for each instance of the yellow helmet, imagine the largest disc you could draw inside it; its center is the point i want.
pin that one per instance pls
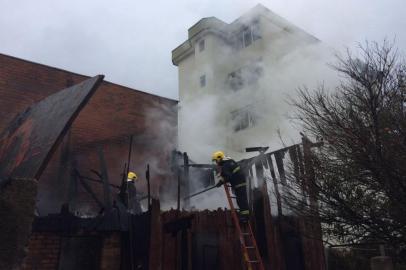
(218, 156)
(132, 176)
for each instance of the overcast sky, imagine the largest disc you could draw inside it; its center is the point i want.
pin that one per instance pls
(130, 41)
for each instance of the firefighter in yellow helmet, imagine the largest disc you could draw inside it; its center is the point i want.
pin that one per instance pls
(133, 204)
(231, 173)
(132, 177)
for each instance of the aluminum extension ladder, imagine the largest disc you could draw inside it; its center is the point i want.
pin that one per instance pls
(249, 246)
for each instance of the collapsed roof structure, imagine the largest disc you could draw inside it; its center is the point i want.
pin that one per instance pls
(67, 145)
(113, 115)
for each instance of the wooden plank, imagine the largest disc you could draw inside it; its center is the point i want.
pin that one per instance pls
(186, 183)
(275, 185)
(259, 169)
(279, 156)
(90, 191)
(295, 160)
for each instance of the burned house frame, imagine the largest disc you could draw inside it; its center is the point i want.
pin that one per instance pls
(115, 238)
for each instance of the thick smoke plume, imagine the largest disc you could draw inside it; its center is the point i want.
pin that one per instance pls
(267, 86)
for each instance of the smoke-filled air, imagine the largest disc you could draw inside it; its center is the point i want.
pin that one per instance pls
(245, 102)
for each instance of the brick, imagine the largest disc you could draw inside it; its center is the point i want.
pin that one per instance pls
(112, 114)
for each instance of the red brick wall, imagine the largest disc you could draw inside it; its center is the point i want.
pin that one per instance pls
(122, 109)
(113, 114)
(43, 252)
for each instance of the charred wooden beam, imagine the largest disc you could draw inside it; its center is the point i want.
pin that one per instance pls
(105, 178)
(257, 149)
(90, 191)
(279, 156)
(276, 186)
(73, 183)
(259, 169)
(98, 181)
(186, 177)
(205, 166)
(147, 176)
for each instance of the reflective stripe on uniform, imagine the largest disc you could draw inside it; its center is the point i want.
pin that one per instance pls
(245, 212)
(236, 169)
(240, 185)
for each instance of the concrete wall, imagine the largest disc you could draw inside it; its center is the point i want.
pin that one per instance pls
(218, 59)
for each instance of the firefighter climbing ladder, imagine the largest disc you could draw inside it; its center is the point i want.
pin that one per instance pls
(249, 246)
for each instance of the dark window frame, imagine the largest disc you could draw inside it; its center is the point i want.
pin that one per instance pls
(202, 45)
(235, 80)
(244, 118)
(245, 76)
(249, 34)
(202, 81)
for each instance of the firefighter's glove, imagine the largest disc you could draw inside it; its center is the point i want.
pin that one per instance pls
(220, 183)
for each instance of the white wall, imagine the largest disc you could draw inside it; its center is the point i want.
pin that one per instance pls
(288, 59)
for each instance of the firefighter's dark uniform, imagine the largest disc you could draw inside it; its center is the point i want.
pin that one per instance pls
(134, 205)
(232, 173)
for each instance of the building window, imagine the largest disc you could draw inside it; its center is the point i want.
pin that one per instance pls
(249, 34)
(254, 72)
(201, 45)
(255, 30)
(245, 76)
(235, 80)
(203, 81)
(243, 118)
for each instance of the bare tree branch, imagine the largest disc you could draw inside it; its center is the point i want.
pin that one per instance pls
(361, 169)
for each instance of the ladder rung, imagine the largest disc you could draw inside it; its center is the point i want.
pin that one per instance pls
(247, 238)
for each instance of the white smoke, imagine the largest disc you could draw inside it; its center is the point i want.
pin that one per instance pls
(204, 131)
(203, 128)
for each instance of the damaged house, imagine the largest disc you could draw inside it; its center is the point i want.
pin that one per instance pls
(94, 132)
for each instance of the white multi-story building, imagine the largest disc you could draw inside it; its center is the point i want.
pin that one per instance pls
(231, 78)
